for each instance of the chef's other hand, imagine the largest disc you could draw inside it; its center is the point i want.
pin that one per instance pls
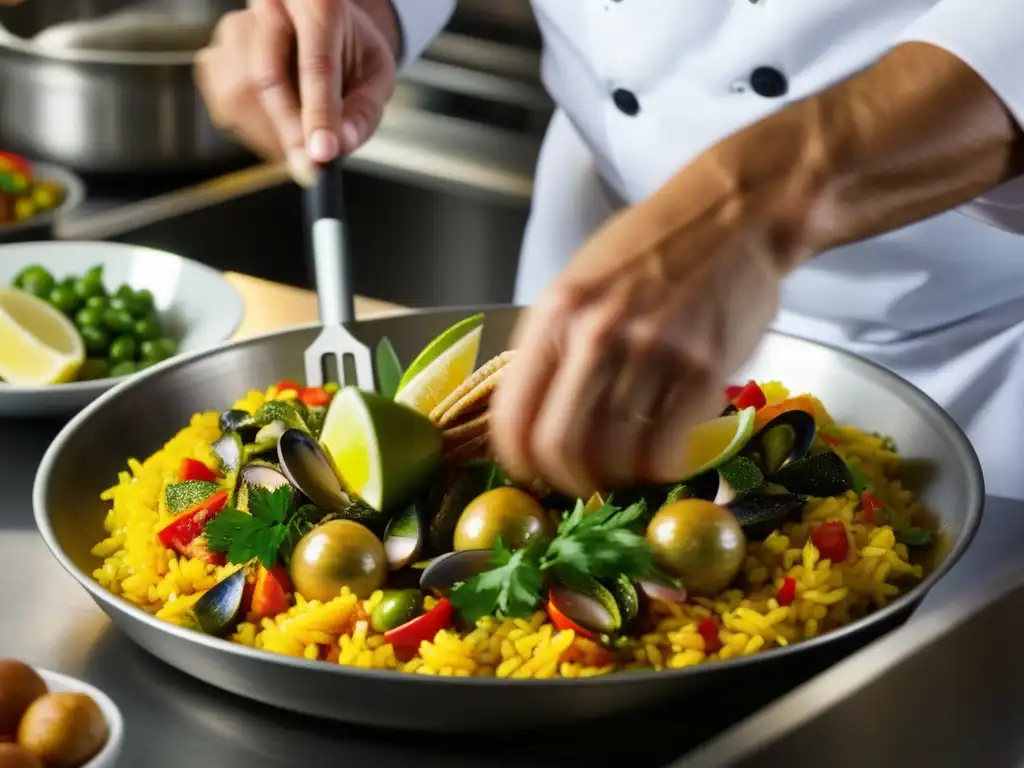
(631, 345)
(345, 59)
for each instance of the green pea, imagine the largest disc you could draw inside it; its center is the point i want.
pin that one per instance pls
(140, 304)
(396, 608)
(96, 339)
(117, 320)
(93, 368)
(32, 274)
(124, 291)
(68, 282)
(147, 329)
(96, 302)
(126, 368)
(122, 350)
(64, 298)
(88, 316)
(89, 287)
(41, 289)
(118, 302)
(158, 349)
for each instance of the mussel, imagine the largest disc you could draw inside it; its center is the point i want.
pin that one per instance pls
(824, 474)
(760, 513)
(736, 477)
(786, 438)
(446, 571)
(405, 536)
(593, 608)
(242, 422)
(450, 497)
(220, 609)
(228, 449)
(256, 475)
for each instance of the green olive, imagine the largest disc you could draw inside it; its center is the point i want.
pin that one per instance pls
(89, 286)
(126, 368)
(64, 298)
(89, 316)
(147, 329)
(396, 608)
(337, 554)
(117, 320)
(122, 350)
(699, 542)
(509, 513)
(33, 274)
(96, 302)
(139, 303)
(158, 349)
(93, 368)
(96, 339)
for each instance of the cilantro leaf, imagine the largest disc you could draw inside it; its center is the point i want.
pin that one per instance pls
(271, 505)
(860, 480)
(268, 534)
(511, 588)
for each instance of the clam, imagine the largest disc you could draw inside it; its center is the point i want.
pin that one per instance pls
(824, 474)
(446, 571)
(593, 608)
(242, 422)
(229, 450)
(450, 497)
(784, 439)
(760, 513)
(220, 609)
(405, 537)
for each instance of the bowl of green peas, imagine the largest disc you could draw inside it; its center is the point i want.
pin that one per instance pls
(132, 306)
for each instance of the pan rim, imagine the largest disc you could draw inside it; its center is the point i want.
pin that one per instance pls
(922, 403)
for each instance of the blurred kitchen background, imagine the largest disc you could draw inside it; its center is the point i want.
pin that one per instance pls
(437, 201)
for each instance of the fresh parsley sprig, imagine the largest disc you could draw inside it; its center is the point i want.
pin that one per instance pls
(588, 546)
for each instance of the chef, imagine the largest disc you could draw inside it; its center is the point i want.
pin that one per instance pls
(843, 170)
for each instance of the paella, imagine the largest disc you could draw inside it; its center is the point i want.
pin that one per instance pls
(376, 530)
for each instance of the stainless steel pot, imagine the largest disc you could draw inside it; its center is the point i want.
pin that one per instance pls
(107, 85)
(137, 417)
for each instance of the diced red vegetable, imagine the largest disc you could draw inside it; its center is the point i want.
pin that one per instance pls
(182, 532)
(786, 592)
(314, 396)
(192, 469)
(563, 622)
(270, 595)
(708, 629)
(407, 637)
(750, 396)
(287, 384)
(733, 391)
(830, 539)
(588, 653)
(872, 507)
(11, 162)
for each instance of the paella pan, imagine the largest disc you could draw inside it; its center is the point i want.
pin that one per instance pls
(335, 552)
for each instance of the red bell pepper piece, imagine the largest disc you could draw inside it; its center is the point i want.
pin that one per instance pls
(192, 469)
(287, 384)
(830, 539)
(270, 596)
(708, 629)
(407, 637)
(787, 592)
(314, 396)
(12, 162)
(588, 653)
(750, 395)
(871, 506)
(733, 391)
(563, 622)
(182, 532)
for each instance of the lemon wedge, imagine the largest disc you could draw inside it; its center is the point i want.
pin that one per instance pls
(383, 451)
(38, 344)
(442, 366)
(712, 443)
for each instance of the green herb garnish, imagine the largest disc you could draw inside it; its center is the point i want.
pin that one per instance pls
(860, 480)
(911, 535)
(595, 545)
(678, 493)
(389, 368)
(887, 442)
(268, 532)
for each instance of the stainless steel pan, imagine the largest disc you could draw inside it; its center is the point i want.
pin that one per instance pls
(137, 417)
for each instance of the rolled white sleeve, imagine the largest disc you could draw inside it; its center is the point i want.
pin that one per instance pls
(988, 36)
(420, 22)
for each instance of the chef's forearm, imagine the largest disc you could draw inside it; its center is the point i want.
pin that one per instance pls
(383, 14)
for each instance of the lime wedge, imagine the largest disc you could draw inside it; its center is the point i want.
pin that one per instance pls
(712, 443)
(442, 366)
(384, 452)
(38, 344)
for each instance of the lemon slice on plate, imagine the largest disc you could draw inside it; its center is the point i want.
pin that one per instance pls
(383, 451)
(712, 443)
(442, 366)
(38, 344)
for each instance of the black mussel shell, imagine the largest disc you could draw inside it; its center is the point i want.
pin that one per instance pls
(306, 465)
(220, 609)
(405, 537)
(788, 437)
(761, 513)
(824, 474)
(256, 475)
(449, 499)
(446, 571)
(242, 422)
(595, 608)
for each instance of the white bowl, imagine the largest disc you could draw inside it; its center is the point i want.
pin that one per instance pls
(198, 306)
(107, 757)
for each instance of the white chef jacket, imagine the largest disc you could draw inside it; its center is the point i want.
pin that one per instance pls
(643, 86)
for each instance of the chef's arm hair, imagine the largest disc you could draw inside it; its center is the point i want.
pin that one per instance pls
(916, 134)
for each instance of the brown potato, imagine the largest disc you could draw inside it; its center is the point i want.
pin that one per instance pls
(13, 756)
(20, 685)
(65, 729)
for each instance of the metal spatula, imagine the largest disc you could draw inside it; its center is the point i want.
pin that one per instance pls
(325, 209)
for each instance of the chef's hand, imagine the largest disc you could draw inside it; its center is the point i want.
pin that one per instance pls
(346, 74)
(631, 345)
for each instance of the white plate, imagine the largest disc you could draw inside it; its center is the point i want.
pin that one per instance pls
(199, 307)
(107, 757)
